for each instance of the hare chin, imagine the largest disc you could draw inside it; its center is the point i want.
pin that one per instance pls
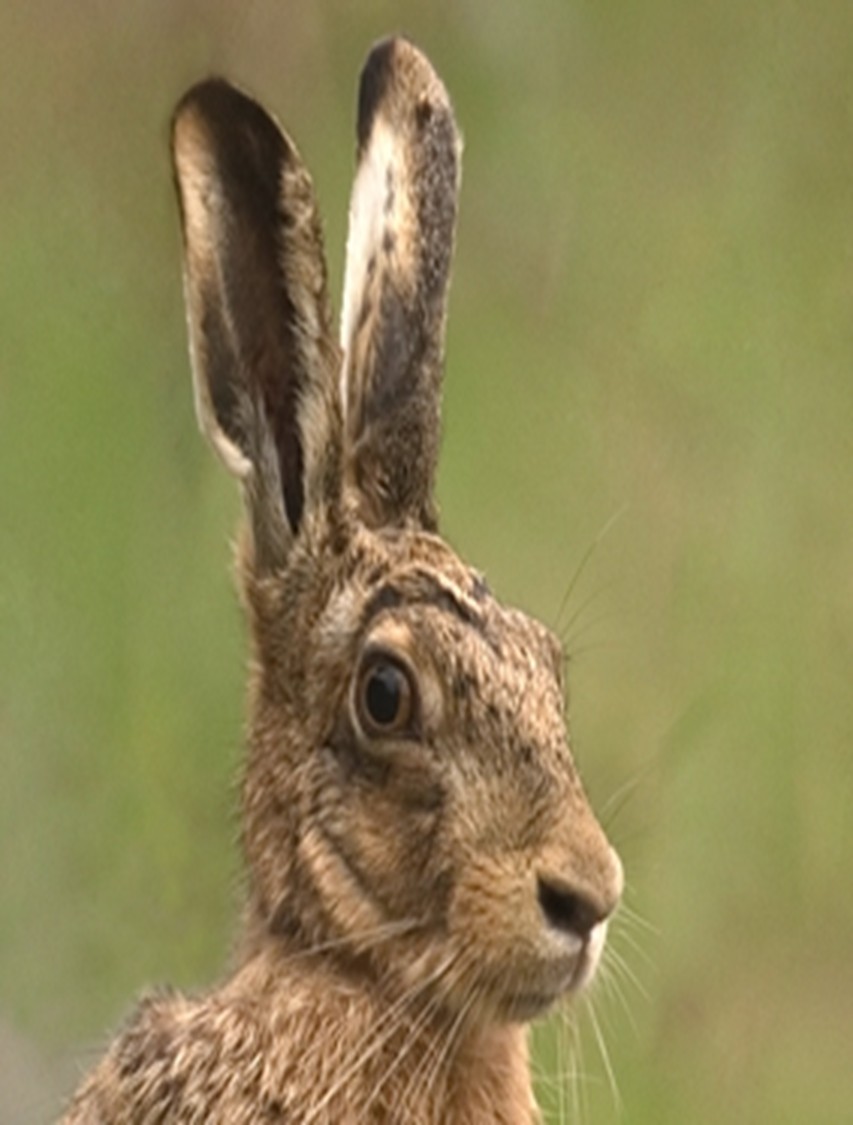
(564, 982)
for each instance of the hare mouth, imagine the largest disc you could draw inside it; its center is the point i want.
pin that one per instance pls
(522, 1006)
(533, 1000)
(558, 982)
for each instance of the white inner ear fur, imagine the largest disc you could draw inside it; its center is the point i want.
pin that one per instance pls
(201, 200)
(367, 219)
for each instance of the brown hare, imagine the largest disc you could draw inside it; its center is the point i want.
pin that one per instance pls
(425, 874)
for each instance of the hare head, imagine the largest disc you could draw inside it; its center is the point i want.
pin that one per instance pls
(410, 804)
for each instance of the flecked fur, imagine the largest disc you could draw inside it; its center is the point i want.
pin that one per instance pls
(418, 891)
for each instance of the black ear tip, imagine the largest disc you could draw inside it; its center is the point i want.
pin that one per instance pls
(217, 100)
(396, 77)
(203, 101)
(207, 96)
(229, 128)
(375, 78)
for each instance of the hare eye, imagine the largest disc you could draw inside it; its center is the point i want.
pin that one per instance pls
(385, 698)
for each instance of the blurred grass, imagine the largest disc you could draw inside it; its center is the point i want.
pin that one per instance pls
(651, 316)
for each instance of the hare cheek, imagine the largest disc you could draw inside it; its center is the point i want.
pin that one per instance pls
(491, 910)
(371, 826)
(338, 886)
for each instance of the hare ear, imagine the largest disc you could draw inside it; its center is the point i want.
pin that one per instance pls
(399, 250)
(264, 360)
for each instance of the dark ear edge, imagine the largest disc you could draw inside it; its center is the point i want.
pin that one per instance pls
(257, 305)
(399, 252)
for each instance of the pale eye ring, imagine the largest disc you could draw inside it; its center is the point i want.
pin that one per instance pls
(385, 697)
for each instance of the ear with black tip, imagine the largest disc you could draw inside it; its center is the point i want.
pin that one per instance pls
(402, 224)
(265, 363)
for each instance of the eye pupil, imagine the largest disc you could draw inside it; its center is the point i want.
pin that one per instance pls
(383, 695)
(385, 700)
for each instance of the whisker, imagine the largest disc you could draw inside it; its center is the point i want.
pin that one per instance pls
(450, 1042)
(561, 1076)
(580, 1105)
(422, 1020)
(627, 914)
(385, 1031)
(566, 630)
(424, 1075)
(363, 940)
(617, 800)
(605, 1056)
(585, 558)
(615, 962)
(611, 985)
(578, 653)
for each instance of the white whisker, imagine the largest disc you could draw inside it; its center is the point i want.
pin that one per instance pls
(605, 1057)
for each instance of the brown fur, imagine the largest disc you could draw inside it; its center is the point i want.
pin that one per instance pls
(417, 892)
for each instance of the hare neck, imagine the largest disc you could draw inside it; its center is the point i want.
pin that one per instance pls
(356, 1053)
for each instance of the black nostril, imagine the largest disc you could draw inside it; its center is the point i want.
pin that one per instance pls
(567, 909)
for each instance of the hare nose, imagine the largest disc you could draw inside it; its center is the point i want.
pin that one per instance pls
(569, 909)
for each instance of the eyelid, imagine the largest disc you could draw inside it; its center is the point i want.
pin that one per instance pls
(380, 650)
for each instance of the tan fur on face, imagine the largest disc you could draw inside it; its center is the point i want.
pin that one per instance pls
(416, 891)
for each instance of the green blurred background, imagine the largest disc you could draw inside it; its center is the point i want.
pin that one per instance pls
(650, 355)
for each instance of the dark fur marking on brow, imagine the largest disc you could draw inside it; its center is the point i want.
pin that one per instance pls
(423, 591)
(386, 597)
